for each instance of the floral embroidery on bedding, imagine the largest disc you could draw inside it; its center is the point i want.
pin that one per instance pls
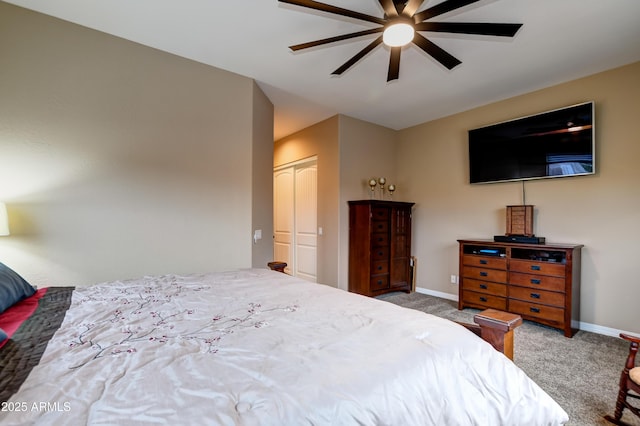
(143, 317)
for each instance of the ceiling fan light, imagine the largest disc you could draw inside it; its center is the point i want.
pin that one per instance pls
(398, 34)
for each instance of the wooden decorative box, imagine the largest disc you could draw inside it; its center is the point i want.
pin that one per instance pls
(520, 220)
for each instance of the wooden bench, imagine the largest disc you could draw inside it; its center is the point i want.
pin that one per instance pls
(496, 327)
(277, 266)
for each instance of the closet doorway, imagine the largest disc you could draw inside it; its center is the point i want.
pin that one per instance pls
(295, 215)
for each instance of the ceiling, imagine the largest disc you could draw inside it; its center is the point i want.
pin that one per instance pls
(560, 40)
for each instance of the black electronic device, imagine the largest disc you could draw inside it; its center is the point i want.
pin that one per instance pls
(518, 239)
(556, 143)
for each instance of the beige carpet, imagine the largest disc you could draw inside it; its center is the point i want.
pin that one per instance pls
(580, 373)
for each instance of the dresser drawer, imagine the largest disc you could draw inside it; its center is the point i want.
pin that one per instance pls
(484, 287)
(542, 268)
(379, 239)
(485, 262)
(379, 267)
(485, 274)
(537, 296)
(379, 282)
(483, 300)
(537, 281)
(378, 213)
(380, 253)
(379, 226)
(541, 312)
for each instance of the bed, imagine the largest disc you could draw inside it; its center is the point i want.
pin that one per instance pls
(258, 347)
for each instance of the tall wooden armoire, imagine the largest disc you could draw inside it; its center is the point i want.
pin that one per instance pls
(379, 247)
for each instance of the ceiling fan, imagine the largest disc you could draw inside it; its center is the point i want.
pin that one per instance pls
(401, 25)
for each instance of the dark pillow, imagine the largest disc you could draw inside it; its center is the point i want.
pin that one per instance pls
(3, 335)
(13, 288)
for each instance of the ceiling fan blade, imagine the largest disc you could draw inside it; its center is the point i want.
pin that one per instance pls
(439, 9)
(503, 30)
(394, 64)
(335, 10)
(335, 39)
(412, 7)
(389, 8)
(436, 52)
(358, 56)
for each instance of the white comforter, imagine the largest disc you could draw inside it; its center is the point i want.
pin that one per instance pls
(256, 347)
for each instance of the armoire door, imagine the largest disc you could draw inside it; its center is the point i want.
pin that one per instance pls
(400, 247)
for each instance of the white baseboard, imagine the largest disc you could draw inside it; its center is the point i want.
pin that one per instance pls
(599, 329)
(439, 294)
(584, 326)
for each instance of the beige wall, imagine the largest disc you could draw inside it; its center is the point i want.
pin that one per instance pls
(349, 152)
(430, 167)
(262, 182)
(120, 160)
(319, 140)
(366, 151)
(599, 211)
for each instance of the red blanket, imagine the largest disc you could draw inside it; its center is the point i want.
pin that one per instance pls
(12, 318)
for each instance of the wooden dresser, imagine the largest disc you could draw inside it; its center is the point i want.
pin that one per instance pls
(540, 282)
(379, 247)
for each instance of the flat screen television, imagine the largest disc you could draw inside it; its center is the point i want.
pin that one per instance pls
(555, 143)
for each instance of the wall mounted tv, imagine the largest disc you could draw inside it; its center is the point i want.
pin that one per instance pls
(555, 143)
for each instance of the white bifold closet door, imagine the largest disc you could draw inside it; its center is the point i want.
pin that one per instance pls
(295, 191)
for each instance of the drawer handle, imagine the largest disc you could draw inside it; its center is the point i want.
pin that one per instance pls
(483, 274)
(483, 262)
(379, 268)
(380, 253)
(535, 281)
(535, 295)
(535, 267)
(483, 286)
(536, 310)
(483, 299)
(379, 281)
